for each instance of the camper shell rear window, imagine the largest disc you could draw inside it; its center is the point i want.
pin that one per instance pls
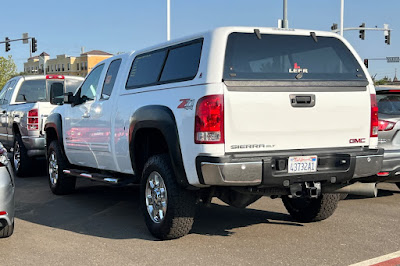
(289, 57)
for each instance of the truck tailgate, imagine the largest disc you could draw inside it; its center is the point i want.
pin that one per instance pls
(267, 120)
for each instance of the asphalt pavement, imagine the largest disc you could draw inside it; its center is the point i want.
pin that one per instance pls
(103, 225)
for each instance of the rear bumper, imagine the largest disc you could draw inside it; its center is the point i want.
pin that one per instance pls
(334, 166)
(391, 165)
(34, 145)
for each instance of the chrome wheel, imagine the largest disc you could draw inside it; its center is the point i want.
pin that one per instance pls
(53, 168)
(17, 156)
(156, 197)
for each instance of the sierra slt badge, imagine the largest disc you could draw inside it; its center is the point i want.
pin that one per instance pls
(252, 146)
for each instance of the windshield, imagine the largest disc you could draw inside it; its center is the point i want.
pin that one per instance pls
(388, 104)
(283, 57)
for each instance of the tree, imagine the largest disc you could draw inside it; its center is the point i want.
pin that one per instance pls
(7, 70)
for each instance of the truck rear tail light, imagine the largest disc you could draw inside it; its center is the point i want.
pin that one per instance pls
(33, 119)
(209, 120)
(385, 125)
(374, 116)
(3, 213)
(54, 77)
(383, 174)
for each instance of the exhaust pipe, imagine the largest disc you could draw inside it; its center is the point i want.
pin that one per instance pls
(360, 189)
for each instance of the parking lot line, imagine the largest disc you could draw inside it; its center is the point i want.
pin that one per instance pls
(392, 259)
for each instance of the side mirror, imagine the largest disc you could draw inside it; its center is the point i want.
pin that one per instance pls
(69, 98)
(57, 93)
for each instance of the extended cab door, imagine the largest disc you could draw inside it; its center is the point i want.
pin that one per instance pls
(78, 128)
(100, 117)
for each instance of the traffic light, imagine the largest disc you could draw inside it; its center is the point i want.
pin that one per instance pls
(387, 38)
(366, 63)
(7, 44)
(34, 45)
(362, 32)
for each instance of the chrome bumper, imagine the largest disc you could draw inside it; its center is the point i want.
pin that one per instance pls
(34, 145)
(260, 171)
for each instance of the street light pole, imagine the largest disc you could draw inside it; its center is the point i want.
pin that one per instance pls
(285, 21)
(168, 20)
(341, 16)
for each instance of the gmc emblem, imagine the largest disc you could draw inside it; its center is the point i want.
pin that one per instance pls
(357, 140)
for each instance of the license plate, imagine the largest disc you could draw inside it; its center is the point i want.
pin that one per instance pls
(302, 164)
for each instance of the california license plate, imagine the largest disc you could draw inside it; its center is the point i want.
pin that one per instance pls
(302, 164)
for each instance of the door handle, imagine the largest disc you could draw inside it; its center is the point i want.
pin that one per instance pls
(86, 115)
(302, 100)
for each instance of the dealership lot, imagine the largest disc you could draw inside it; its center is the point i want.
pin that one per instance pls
(102, 225)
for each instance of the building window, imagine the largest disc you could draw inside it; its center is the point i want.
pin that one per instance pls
(77, 66)
(59, 68)
(62, 67)
(69, 66)
(82, 67)
(51, 68)
(85, 65)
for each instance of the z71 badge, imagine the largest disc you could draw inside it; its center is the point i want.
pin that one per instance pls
(186, 104)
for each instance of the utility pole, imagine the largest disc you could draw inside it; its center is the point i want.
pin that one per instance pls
(341, 16)
(285, 20)
(168, 21)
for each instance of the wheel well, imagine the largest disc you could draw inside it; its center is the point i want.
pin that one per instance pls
(50, 136)
(148, 142)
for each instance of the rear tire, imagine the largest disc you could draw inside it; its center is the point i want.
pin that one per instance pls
(60, 183)
(21, 162)
(168, 208)
(311, 210)
(7, 231)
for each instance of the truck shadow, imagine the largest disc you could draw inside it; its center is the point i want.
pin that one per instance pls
(113, 212)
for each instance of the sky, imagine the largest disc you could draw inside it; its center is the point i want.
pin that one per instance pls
(63, 27)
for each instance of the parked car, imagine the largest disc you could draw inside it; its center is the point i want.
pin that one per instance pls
(235, 113)
(388, 100)
(7, 187)
(24, 107)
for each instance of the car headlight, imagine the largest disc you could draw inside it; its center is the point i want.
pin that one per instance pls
(3, 156)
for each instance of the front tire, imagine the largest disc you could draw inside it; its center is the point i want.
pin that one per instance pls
(20, 161)
(7, 231)
(311, 210)
(168, 208)
(60, 183)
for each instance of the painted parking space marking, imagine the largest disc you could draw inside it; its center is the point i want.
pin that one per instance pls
(392, 259)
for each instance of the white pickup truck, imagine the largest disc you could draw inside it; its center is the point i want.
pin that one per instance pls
(235, 113)
(24, 106)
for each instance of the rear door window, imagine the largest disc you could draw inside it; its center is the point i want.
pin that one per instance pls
(110, 78)
(388, 104)
(32, 91)
(283, 57)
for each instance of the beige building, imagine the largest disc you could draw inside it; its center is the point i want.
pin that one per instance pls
(65, 65)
